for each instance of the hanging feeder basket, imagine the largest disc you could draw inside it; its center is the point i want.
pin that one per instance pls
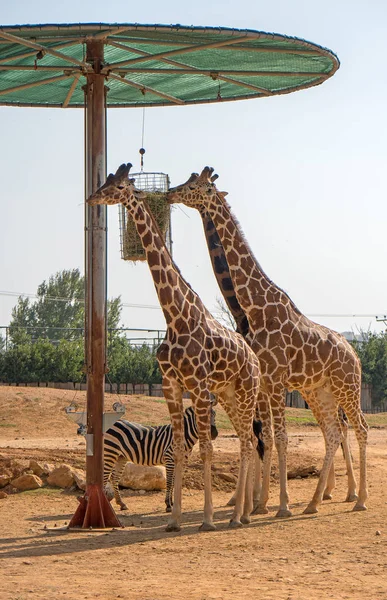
(156, 186)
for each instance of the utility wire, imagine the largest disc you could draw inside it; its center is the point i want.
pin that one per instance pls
(378, 315)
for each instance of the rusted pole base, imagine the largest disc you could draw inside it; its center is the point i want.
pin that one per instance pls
(94, 510)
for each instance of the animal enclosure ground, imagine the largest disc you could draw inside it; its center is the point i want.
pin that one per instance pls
(336, 554)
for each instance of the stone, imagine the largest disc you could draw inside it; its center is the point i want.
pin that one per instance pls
(227, 477)
(3, 495)
(61, 476)
(79, 478)
(28, 481)
(36, 468)
(4, 480)
(137, 477)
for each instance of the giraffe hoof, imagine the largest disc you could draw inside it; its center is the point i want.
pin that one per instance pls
(235, 524)
(285, 512)
(173, 527)
(168, 509)
(260, 510)
(310, 510)
(351, 497)
(207, 527)
(231, 502)
(245, 520)
(359, 507)
(123, 507)
(327, 496)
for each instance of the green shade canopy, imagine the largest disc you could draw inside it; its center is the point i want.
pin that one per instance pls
(155, 65)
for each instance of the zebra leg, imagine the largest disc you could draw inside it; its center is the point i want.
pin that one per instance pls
(173, 394)
(116, 476)
(169, 467)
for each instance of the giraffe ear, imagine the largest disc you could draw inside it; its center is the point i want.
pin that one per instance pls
(223, 194)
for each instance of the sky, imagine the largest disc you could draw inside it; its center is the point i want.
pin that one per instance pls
(304, 172)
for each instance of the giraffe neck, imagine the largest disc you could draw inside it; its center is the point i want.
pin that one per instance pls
(253, 288)
(175, 295)
(222, 273)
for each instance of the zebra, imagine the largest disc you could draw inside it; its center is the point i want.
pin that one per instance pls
(148, 446)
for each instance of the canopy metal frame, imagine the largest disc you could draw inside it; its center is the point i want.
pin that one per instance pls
(23, 49)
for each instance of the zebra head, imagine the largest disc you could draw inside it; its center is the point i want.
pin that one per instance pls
(190, 423)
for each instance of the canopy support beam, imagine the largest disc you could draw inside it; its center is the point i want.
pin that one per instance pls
(94, 509)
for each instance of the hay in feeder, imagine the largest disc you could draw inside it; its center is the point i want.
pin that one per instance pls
(131, 246)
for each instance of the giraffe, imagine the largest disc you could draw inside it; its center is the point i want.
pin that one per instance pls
(294, 352)
(198, 354)
(222, 274)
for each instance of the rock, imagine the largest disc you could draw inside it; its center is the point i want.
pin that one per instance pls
(303, 471)
(378, 533)
(79, 478)
(227, 477)
(40, 469)
(3, 495)
(143, 478)
(61, 477)
(36, 468)
(27, 482)
(48, 468)
(4, 480)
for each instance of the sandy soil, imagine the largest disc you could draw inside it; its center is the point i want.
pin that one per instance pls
(335, 554)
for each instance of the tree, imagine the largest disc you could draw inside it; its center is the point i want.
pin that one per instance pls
(58, 312)
(224, 315)
(372, 351)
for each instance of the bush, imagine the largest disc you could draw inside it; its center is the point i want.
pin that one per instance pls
(42, 361)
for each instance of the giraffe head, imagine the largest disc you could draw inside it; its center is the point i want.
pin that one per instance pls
(117, 189)
(198, 192)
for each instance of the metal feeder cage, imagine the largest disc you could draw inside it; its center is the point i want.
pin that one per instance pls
(156, 186)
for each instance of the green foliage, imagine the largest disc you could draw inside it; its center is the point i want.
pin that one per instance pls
(372, 351)
(41, 349)
(43, 361)
(129, 364)
(58, 313)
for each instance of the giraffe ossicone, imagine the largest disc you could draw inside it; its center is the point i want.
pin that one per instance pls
(198, 355)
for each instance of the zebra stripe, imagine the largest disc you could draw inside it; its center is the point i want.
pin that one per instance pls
(147, 446)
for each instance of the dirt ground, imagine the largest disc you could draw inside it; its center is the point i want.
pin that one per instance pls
(335, 554)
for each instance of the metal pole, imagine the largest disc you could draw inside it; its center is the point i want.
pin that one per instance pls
(94, 509)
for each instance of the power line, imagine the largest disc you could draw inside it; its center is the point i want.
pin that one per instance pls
(379, 316)
(81, 300)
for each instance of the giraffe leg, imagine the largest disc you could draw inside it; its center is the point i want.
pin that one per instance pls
(174, 397)
(202, 404)
(331, 483)
(311, 398)
(360, 426)
(261, 497)
(249, 489)
(281, 443)
(351, 494)
(257, 487)
(239, 403)
(332, 436)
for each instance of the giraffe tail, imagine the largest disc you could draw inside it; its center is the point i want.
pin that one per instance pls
(257, 428)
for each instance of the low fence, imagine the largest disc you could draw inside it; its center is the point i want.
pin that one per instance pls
(144, 389)
(292, 399)
(295, 400)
